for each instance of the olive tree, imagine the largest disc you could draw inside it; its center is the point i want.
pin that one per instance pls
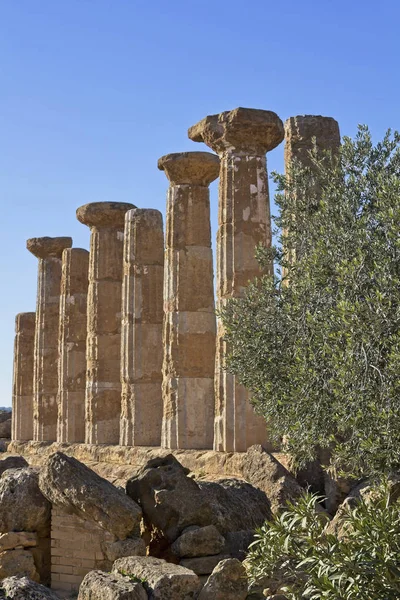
(318, 344)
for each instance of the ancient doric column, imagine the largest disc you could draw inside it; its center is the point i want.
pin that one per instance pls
(22, 397)
(303, 134)
(189, 311)
(241, 137)
(72, 346)
(142, 319)
(103, 343)
(45, 379)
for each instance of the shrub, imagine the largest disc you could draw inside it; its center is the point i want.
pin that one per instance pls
(312, 565)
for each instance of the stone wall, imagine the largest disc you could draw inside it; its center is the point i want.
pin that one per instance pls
(76, 549)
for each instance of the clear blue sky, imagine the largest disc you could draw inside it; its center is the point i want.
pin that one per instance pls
(94, 91)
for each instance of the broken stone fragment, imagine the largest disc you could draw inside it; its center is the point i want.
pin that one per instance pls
(269, 475)
(15, 539)
(72, 486)
(228, 581)
(18, 562)
(12, 462)
(98, 585)
(162, 580)
(198, 541)
(23, 507)
(169, 499)
(203, 565)
(22, 588)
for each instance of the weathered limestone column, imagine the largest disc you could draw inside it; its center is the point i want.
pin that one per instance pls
(189, 311)
(304, 133)
(45, 379)
(103, 343)
(22, 397)
(142, 322)
(241, 137)
(72, 346)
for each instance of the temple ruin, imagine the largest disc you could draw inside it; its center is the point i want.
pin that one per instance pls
(123, 363)
(125, 347)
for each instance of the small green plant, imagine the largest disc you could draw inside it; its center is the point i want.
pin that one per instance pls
(296, 554)
(133, 578)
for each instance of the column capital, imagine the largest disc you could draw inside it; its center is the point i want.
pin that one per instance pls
(103, 214)
(192, 168)
(249, 130)
(48, 247)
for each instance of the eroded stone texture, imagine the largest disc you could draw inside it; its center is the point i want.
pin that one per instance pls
(241, 137)
(45, 374)
(72, 346)
(103, 349)
(22, 398)
(142, 323)
(305, 134)
(189, 311)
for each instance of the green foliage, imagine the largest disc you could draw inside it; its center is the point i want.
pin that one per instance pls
(312, 565)
(318, 345)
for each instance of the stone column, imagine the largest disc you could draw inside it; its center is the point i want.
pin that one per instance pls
(72, 346)
(22, 397)
(241, 137)
(142, 319)
(103, 343)
(189, 311)
(303, 134)
(45, 379)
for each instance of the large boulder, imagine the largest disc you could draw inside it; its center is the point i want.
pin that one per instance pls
(172, 501)
(198, 541)
(22, 505)
(12, 461)
(72, 486)
(228, 581)
(235, 504)
(18, 562)
(161, 580)
(98, 585)
(267, 474)
(23, 588)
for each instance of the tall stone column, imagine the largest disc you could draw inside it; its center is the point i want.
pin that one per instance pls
(142, 322)
(103, 343)
(22, 397)
(241, 137)
(305, 133)
(45, 379)
(72, 346)
(189, 311)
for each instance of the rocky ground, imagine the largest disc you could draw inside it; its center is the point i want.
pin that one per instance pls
(169, 533)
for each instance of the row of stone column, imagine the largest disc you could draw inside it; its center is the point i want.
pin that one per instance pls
(125, 346)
